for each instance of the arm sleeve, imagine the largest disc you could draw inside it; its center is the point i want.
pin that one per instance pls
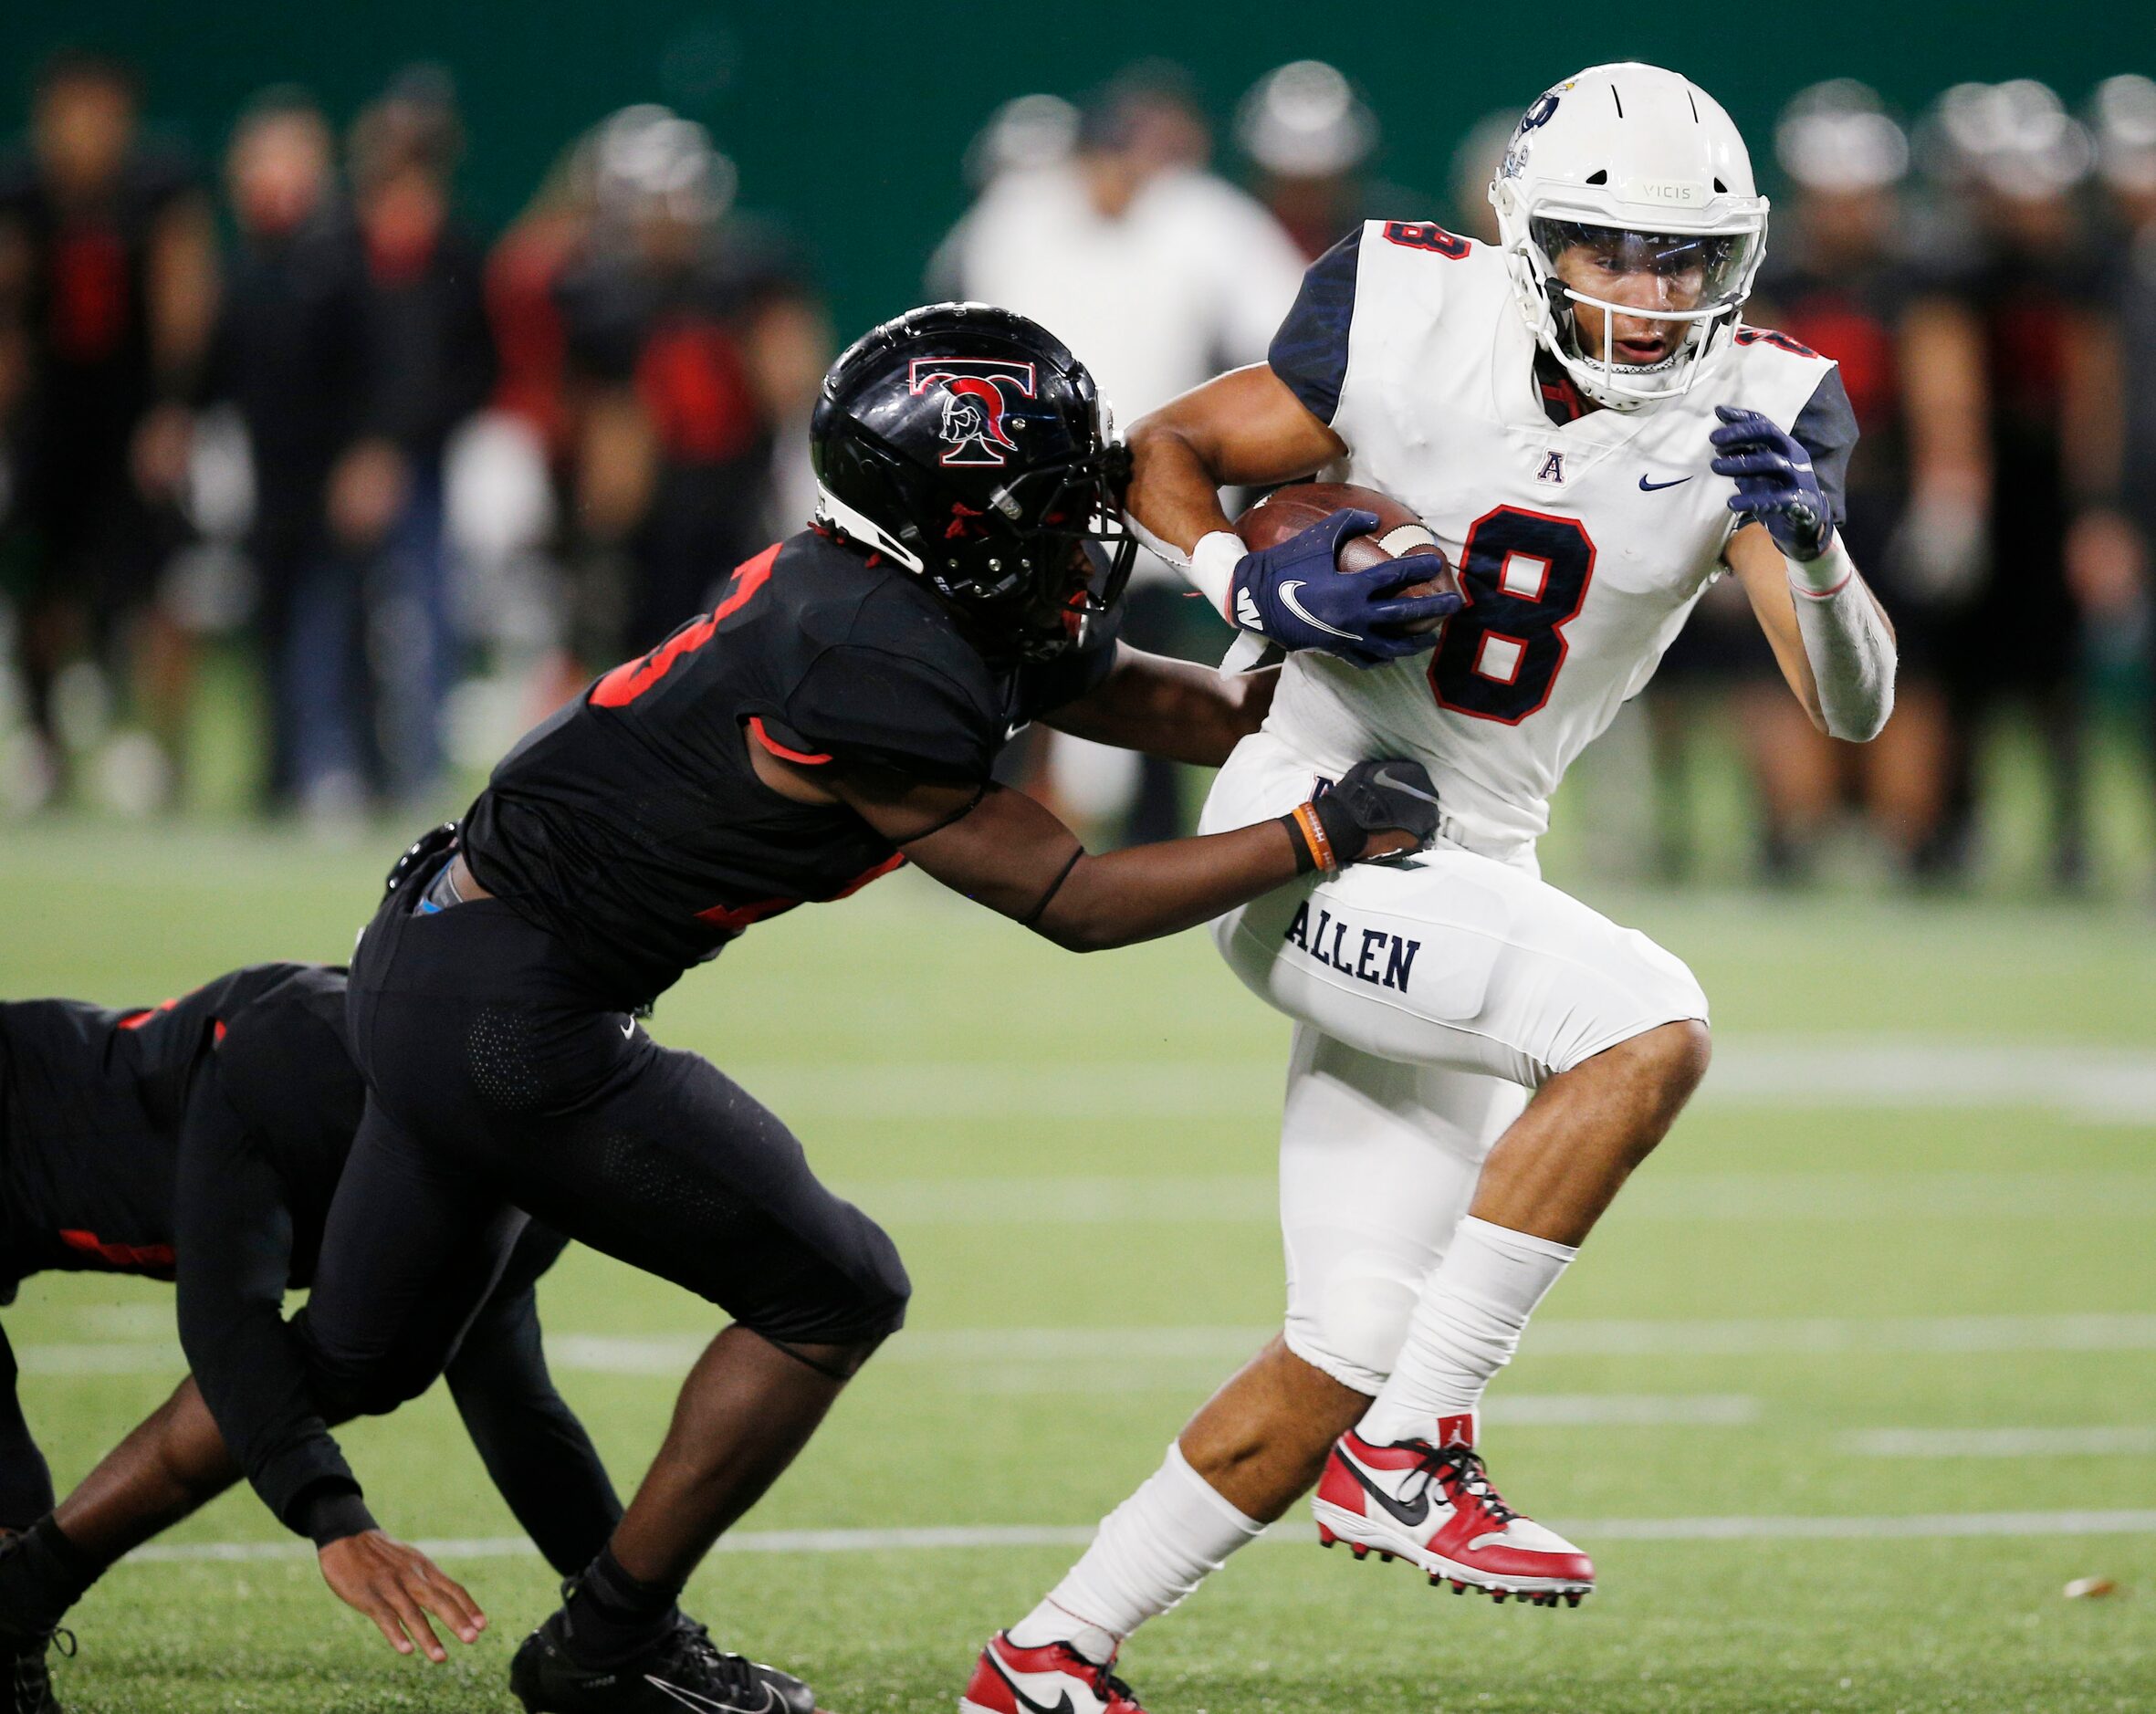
(233, 1238)
(1826, 429)
(535, 1449)
(1310, 352)
(868, 705)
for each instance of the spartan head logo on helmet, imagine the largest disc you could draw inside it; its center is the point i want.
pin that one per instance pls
(977, 393)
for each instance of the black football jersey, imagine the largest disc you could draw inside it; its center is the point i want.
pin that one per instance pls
(92, 1100)
(631, 824)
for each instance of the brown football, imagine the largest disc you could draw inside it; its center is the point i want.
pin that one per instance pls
(1291, 510)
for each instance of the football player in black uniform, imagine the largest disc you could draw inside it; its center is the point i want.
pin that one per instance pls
(834, 715)
(202, 1141)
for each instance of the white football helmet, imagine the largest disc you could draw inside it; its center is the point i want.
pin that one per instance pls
(1646, 168)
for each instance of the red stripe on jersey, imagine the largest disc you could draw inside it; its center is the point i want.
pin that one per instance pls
(629, 681)
(734, 918)
(136, 1020)
(153, 1257)
(809, 757)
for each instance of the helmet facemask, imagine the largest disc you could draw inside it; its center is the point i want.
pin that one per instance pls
(1045, 561)
(1645, 178)
(1704, 279)
(1051, 557)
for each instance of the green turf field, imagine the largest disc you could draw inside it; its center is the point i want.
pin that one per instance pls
(1915, 1206)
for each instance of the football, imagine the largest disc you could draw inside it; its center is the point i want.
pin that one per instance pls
(1289, 511)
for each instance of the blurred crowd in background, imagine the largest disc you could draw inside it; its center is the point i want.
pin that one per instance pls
(423, 481)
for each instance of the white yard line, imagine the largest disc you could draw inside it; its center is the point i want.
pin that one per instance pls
(1251, 1198)
(1998, 1443)
(2102, 1085)
(1920, 1527)
(1010, 1349)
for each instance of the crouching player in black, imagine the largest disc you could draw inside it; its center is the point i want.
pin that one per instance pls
(835, 714)
(202, 1141)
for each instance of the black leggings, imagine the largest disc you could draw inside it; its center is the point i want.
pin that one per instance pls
(499, 1079)
(25, 1484)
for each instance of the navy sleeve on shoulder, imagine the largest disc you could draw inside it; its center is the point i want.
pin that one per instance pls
(1310, 352)
(1827, 428)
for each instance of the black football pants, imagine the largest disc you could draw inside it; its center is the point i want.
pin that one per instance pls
(500, 1079)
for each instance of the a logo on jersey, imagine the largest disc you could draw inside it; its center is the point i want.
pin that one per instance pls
(977, 392)
(1375, 955)
(1649, 487)
(1552, 469)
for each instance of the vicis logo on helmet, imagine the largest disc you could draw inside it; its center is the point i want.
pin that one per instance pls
(976, 393)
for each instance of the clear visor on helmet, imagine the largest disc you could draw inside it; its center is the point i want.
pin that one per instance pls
(1677, 276)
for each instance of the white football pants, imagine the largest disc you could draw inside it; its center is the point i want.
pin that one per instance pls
(1430, 999)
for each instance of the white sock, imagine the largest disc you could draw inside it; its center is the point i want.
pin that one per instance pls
(1151, 1551)
(1465, 1328)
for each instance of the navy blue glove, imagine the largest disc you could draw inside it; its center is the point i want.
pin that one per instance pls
(1774, 481)
(1294, 593)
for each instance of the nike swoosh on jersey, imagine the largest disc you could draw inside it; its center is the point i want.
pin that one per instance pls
(1412, 1515)
(1384, 776)
(1649, 487)
(1288, 601)
(705, 1705)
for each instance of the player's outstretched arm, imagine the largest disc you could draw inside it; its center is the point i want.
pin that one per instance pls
(1171, 708)
(234, 1233)
(1002, 850)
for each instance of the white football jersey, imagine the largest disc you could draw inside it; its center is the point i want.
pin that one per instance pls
(1582, 546)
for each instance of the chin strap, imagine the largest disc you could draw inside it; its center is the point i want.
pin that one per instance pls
(860, 527)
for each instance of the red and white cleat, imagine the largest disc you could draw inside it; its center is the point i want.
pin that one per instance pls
(1052, 1679)
(1433, 1506)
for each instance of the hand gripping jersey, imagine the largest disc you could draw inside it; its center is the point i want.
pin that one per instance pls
(1582, 546)
(631, 825)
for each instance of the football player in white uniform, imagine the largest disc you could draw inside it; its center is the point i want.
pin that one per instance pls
(1594, 436)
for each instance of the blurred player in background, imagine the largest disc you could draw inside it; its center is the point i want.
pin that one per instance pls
(2114, 543)
(291, 356)
(2030, 282)
(201, 1141)
(683, 335)
(1840, 278)
(1161, 273)
(430, 366)
(1587, 427)
(107, 285)
(1309, 137)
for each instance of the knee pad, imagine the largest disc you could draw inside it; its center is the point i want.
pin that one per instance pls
(1350, 1325)
(1666, 983)
(860, 1301)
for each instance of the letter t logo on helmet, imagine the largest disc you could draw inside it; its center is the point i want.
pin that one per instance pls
(1642, 168)
(967, 444)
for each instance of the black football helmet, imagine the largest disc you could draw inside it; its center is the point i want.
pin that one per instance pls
(968, 443)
